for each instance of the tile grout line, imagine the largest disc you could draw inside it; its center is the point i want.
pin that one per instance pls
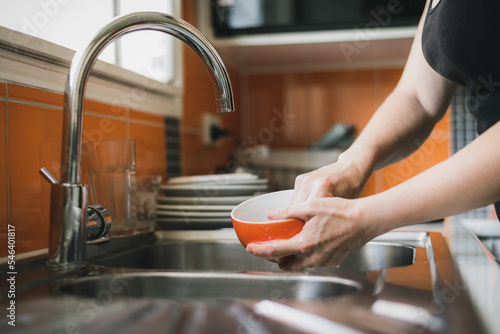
(25, 255)
(128, 124)
(16, 83)
(149, 123)
(36, 104)
(91, 113)
(125, 119)
(7, 169)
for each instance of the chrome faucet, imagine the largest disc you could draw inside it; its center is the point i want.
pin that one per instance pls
(68, 211)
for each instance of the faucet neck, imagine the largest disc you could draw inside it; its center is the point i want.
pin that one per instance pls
(69, 198)
(83, 62)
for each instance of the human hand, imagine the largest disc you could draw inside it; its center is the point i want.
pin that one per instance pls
(333, 229)
(344, 178)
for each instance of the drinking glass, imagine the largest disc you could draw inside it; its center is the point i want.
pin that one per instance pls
(111, 169)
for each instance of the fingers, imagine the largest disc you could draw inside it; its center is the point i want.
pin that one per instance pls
(288, 258)
(295, 255)
(277, 214)
(301, 190)
(300, 211)
(326, 239)
(273, 250)
(288, 253)
(316, 184)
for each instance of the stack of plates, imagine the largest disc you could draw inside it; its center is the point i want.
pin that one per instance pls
(205, 201)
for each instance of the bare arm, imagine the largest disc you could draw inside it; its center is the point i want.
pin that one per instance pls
(465, 181)
(335, 227)
(408, 115)
(398, 127)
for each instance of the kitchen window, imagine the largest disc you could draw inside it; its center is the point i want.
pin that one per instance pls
(141, 70)
(72, 23)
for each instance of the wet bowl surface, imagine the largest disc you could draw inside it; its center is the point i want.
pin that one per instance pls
(251, 224)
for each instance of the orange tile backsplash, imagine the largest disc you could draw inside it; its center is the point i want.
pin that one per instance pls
(312, 102)
(199, 97)
(136, 114)
(150, 144)
(30, 94)
(3, 176)
(113, 110)
(3, 88)
(97, 127)
(31, 131)
(299, 107)
(31, 145)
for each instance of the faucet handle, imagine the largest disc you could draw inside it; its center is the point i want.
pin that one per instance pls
(47, 176)
(98, 218)
(99, 222)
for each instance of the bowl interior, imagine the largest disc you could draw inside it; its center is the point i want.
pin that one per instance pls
(254, 210)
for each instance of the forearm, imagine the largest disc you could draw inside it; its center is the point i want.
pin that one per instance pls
(406, 118)
(396, 130)
(467, 180)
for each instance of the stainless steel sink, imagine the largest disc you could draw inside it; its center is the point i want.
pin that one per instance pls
(209, 286)
(402, 282)
(222, 269)
(231, 256)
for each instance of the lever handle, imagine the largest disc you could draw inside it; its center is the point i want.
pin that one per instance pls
(47, 176)
(99, 219)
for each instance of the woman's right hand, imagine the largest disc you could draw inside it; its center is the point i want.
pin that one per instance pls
(344, 178)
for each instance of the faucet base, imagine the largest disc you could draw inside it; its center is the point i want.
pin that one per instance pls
(68, 214)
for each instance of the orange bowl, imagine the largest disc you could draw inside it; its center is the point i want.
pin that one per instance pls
(251, 224)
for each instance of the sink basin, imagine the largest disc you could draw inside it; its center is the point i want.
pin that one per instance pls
(189, 270)
(209, 286)
(231, 256)
(208, 282)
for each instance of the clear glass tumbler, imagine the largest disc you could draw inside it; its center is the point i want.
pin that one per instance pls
(111, 169)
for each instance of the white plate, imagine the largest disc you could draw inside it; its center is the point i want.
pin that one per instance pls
(198, 201)
(212, 190)
(217, 178)
(189, 214)
(194, 208)
(194, 223)
(227, 183)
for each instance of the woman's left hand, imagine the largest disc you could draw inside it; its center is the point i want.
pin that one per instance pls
(333, 229)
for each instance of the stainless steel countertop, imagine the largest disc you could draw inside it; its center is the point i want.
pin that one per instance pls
(39, 309)
(479, 269)
(480, 272)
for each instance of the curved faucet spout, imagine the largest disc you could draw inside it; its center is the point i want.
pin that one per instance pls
(83, 62)
(69, 197)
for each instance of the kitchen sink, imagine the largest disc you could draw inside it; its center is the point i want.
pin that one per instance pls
(209, 286)
(401, 282)
(231, 256)
(189, 270)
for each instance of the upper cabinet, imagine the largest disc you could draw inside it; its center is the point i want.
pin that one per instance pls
(279, 35)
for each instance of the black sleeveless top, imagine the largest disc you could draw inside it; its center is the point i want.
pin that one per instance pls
(460, 41)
